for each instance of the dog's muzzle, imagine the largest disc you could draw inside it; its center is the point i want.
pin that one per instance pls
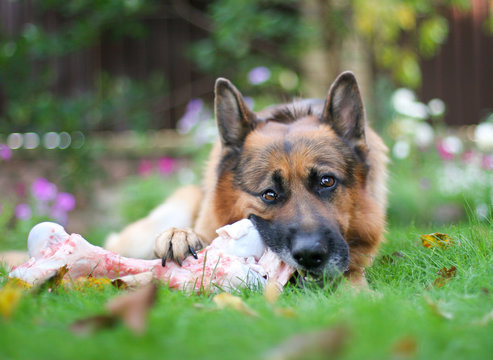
(323, 251)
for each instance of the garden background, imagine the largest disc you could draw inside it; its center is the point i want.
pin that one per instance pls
(106, 106)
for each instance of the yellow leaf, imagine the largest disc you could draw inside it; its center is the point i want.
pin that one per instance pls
(405, 347)
(9, 299)
(436, 310)
(18, 283)
(445, 275)
(226, 300)
(436, 240)
(82, 283)
(285, 312)
(271, 292)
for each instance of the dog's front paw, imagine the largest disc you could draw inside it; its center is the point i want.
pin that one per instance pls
(176, 244)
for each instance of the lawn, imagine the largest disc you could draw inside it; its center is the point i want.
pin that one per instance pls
(407, 314)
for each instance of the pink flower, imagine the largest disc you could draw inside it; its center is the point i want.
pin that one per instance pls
(5, 152)
(468, 156)
(166, 165)
(444, 153)
(487, 162)
(43, 190)
(23, 212)
(65, 202)
(145, 167)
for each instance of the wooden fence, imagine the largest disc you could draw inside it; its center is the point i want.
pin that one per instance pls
(461, 74)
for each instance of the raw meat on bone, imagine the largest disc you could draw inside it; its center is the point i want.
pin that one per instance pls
(237, 258)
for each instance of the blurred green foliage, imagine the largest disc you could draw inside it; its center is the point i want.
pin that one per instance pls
(245, 34)
(27, 76)
(276, 33)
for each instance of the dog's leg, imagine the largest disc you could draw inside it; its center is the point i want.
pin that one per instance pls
(139, 238)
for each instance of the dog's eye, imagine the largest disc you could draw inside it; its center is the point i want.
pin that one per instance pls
(269, 195)
(327, 181)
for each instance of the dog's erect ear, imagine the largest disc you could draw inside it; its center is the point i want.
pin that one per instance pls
(234, 119)
(345, 113)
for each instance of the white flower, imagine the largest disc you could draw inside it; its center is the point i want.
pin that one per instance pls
(483, 136)
(423, 134)
(436, 107)
(453, 145)
(404, 102)
(401, 149)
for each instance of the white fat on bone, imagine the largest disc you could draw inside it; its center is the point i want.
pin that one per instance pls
(237, 258)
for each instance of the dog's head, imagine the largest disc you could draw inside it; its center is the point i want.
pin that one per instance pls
(294, 170)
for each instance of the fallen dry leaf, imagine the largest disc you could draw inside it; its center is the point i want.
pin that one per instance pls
(272, 291)
(439, 240)
(444, 276)
(10, 295)
(326, 343)
(285, 312)
(390, 259)
(225, 300)
(133, 307)
(437, 311)
(405, 347)
(53, 282)
(92, 324)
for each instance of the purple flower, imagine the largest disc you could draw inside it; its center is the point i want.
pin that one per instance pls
(23, 212)
(43, 190)
(166, 165)
(65, 202)
(191, 116)
(258, 75)
(145, 167)
(5, 152)
(195, 106)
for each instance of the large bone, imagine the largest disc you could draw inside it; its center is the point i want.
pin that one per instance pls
(237, 258)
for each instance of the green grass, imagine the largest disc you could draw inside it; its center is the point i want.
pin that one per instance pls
(397, 309)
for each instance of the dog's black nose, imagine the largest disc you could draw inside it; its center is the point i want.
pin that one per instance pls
(310, 255)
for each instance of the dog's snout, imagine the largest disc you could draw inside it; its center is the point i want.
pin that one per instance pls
(309, 254)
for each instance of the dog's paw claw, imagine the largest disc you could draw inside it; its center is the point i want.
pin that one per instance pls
(176, 244)
(193, 252)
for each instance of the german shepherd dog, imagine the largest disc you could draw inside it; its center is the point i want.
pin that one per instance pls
(311, 175)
